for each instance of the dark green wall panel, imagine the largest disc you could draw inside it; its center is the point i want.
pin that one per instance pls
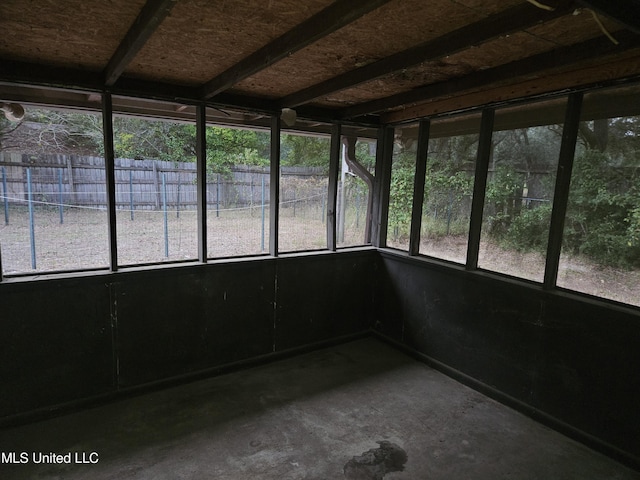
(55, 345)
(573, 359)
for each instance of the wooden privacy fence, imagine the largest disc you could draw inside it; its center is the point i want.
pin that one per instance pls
(141, 184)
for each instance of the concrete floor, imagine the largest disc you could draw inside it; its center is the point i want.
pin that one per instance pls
(361, 410)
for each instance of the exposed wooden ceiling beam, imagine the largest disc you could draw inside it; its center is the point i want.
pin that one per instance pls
(536, 64)
(29, 76)
(332, 18)
(513, 19)
(149, 18)
(609, 72)
(15, 71)
(625, 12)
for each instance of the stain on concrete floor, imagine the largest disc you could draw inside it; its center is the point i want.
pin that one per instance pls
(374, 464)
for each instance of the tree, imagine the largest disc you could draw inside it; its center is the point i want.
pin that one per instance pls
(54, 131)
(6, 129)
(232, 146)
(302, 150)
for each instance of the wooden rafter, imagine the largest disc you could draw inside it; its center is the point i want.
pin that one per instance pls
(508, 21)
(150, 17)
(332, 18)
(535, 64)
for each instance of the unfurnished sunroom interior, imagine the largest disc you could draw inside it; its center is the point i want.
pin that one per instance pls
(283, 231)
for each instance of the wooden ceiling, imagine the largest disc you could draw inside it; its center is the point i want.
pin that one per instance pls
(358, 61)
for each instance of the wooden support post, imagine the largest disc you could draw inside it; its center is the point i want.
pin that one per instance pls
(418, 187)
(561, 193)
(109, 160)
(485, 148)
(384, 157)
(201, 180)
(334, 160)
(274, 186)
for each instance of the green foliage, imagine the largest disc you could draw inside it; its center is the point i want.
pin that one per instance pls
(633, 229)
(504, 191)
(162, 140)
(503, 185)
(401, 197)
(444, 200)
(530, 229)
(230, 146)
(603, 217)
(299, 150)
(444, 226)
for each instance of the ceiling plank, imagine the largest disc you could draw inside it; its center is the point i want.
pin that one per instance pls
(332, 18)
(516, 18)
(535, 64)
(625, 12)
(603, 74)
(149, 18)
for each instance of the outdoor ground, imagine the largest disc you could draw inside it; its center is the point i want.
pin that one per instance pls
(81, 242)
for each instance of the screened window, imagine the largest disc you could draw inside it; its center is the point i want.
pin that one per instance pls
(238, 205)
(304, 186)
(403, 168)
(354, 194)
(601, 244)
(53, 194)
(520, 187)
(155, 173)
(446, 207)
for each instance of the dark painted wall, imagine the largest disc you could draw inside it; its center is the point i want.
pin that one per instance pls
(65, 340)
(55, 343)
(572, 359)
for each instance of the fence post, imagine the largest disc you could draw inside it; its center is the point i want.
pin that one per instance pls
(251, 198)
(178, 198)
(60, 207)
(218, 195)
(6, 196)
(31, 229)
(155, 185)
(72, 188)
(294, 202)
(131, 193)
(166, 224)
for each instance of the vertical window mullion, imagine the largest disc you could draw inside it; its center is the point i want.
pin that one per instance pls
(418, 186)
(561, 194)
(334, 160)
(274, 185)
(109, 160)
(201, 180)
(384, 156)
(479, 187)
